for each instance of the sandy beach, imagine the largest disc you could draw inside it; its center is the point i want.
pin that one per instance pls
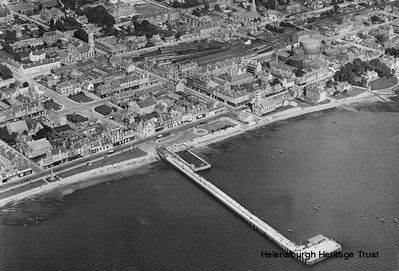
(131, 164)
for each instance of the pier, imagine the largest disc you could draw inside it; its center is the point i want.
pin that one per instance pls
(313, 251)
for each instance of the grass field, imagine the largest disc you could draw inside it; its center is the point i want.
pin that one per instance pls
(76, 118)
(50, 104)
(382, 83)
(189, 134)
(103, 109)
(80, 98)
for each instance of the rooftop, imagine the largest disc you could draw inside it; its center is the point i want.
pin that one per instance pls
(39, 144)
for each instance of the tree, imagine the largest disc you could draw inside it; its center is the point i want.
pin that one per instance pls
(218, 8)
(299, 73)
(70, 23)
(17, 57)
(146, 28)
(7, 48)
(389, 51)
(9, 139)
(5, 72)
(81, 34)
(381, 39)
(329, 83)
(178, 35)
(206, 6)
(10, 36)
(59, 25)
(375, 19)
(41, 30)
(99, 15)
(45, 132)
(197, 12)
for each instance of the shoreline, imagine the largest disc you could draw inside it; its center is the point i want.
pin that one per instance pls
(127, 165)
(364, 97)
(152, 156)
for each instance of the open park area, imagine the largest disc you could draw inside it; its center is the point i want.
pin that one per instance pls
(50, 104)
(76, 118)
(80, 98)
(199, 131)
(383, 83)
(103, 109)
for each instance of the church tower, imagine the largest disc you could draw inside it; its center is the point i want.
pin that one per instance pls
(91, 39)
(253, 6)
(90, 33)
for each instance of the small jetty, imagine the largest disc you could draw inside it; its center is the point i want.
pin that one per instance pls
(314, 250)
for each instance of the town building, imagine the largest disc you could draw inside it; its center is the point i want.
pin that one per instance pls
(121, 10)
(75, 54)
(143, 107)
(25, 8)
(38, 55)
(343, 29)
(111, 45)
(12, 166)
(315, 92)
(21, 111)
(67, 88)
(263, 104)
(51, 37)
(37, 148)
(46, 3)
(223, 93)
(126, 82)
(51, 14)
